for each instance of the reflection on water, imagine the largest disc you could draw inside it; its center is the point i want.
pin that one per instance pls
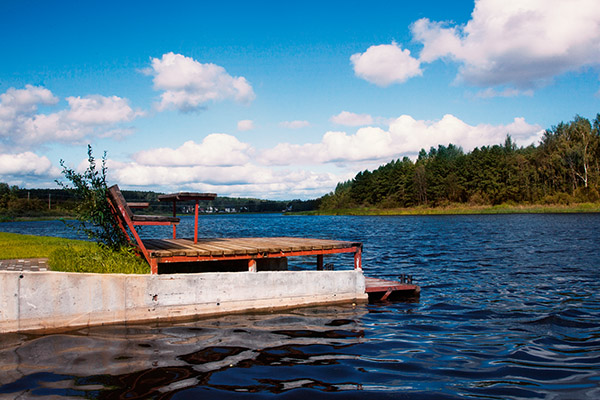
(509, 309)
(240, 353)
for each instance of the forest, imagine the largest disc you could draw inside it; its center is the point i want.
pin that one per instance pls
(563, 168)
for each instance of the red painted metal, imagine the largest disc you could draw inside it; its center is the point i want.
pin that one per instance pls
(358, 259)
(174, 214)
(252, 265)
(196, 223)
(187, 196)
(170, 259)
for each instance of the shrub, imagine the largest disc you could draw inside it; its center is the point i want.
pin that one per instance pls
(92, 212)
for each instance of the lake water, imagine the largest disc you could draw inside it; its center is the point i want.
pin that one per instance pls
(509, 309)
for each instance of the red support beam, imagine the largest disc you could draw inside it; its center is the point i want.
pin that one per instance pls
(174, 214)
(358, 259)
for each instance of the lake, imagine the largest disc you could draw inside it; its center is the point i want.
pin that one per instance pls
(509, 309)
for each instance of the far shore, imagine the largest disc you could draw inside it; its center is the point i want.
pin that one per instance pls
(462, 209)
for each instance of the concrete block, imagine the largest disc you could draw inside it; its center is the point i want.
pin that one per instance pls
(56, 300)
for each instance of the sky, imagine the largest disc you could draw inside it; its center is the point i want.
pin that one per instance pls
(281, 100)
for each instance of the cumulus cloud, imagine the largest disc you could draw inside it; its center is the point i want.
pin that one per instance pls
(100, 110)
(22, 125)
(404, 136)
(351, 119)
(518, 43)
(188, 85)
(26, 164)
(245, 125)
(15, 103)
(509, 43)
(238, 180)
(294, 124)
(217, 149)
(385, 64)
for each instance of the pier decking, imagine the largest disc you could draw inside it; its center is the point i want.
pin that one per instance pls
(251, 249)
(382, 290)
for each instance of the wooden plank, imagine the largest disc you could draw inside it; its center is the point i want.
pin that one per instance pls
(254, 246)
(220, 247)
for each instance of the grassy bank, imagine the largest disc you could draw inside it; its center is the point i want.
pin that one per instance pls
(460, 209)
(71, 255)
(28, 246)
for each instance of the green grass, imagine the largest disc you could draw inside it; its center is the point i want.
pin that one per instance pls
(98, 260)
(28, 246)
(458, 209)
(71, 255)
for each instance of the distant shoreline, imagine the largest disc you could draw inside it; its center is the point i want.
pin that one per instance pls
(459, 209)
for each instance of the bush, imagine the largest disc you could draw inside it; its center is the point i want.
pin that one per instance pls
(586, 195)
(558, 198)
(93, 211)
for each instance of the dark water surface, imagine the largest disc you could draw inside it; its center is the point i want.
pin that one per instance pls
(509, 309)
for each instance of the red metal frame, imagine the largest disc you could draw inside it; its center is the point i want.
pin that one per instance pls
(121, 215)
(297, 253)
(196, 197)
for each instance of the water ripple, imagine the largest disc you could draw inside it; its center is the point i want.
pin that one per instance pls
(509, 309)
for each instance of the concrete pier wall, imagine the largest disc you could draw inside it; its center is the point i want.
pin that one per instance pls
(57, 300)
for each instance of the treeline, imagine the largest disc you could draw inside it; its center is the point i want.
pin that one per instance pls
(563, 168)
(18, 202)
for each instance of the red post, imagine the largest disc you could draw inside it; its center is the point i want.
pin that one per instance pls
(174, 215)
(358, 259)
(196, 224)
(252, 265)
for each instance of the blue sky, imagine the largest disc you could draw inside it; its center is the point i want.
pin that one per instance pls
(281, 100)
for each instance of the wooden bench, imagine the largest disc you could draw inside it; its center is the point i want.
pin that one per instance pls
(127, 219)
(220, 250)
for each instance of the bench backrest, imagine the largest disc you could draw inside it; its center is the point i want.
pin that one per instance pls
(116, 197)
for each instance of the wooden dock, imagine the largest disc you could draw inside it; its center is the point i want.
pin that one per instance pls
(250, 249)
(384, 290)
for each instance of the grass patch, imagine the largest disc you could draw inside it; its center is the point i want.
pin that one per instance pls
(15, 245)
(69, 255)
(97, 260)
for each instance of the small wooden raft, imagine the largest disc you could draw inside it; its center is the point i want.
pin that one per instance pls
(382, 290)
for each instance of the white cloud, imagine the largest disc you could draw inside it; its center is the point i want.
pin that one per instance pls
(405, 136)
(294, 124)
(385, 64)
(22, 102)
(27, 163)
(508, 92)
(188, 85)
(21, 125)
(217, 149)
(240, 180)
(351, 119)
(245, 125)
(516, 42)
(100, 110)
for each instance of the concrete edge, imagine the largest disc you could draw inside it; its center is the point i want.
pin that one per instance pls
(49, 301)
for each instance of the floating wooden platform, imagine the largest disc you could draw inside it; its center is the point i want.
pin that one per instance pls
(251, 249)
(382, 290)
